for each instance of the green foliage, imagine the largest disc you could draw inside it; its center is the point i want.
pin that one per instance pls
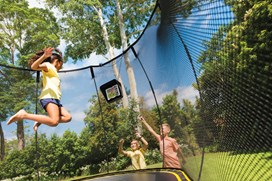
(236, 77)
(170, 113)
(118, 163)
(61, 156)
(107, 129)
(26, 30)
(153, 156)
(80, 21)
(17, 163)
(191, 116)
(57, 156)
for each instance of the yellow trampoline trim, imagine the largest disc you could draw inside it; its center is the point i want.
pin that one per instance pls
(176, 175)
(186, 177)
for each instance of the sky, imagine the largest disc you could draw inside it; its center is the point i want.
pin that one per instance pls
(78, 87)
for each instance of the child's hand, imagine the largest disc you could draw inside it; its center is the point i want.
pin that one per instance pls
(138, 135)
(140, 117)
(48, 52)
(121, 142)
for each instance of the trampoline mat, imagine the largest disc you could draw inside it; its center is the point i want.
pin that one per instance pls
(176, 175)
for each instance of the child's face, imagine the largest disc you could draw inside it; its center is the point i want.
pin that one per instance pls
(134, 145)
(58, 64)
(164, 130)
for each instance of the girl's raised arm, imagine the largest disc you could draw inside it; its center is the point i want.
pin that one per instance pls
(37, 65)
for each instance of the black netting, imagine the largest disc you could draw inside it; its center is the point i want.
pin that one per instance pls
(204, 67)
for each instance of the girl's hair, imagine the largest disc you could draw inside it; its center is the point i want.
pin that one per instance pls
(56, 54)
(138, 144)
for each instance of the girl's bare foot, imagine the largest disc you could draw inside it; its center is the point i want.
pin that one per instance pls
(36, 125)
(16, 117)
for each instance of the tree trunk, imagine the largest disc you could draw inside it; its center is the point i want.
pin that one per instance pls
(2, 140)
(20, 135)
(20, 124)
(111, 53)
(130, 71)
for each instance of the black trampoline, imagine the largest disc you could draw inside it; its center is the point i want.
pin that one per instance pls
(142, 175)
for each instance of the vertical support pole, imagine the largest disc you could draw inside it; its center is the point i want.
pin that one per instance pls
(153, 92)
(101, 113)
(36, 132)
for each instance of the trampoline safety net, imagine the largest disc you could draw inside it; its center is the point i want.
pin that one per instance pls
(204, 67)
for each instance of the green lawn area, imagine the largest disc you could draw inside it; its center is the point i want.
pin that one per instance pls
(228, 167)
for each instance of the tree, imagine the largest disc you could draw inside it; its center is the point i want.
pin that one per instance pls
(236, 77)
(170, 113)
(124, 41)
(3, 107)
(59, 155)
(2, 146)
(106, 127)
(190, 115)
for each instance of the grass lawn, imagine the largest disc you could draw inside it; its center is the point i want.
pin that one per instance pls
(229, 167)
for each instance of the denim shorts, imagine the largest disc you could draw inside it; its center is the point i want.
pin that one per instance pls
(44, 102)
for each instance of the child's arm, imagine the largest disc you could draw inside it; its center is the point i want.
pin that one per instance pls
(120, 148)
(38, 65)
(138, 135)
(148, 127)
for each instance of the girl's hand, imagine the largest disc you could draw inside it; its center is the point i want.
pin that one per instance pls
(121, 142)
(138, 135)
(38, 64)
(48, 52)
